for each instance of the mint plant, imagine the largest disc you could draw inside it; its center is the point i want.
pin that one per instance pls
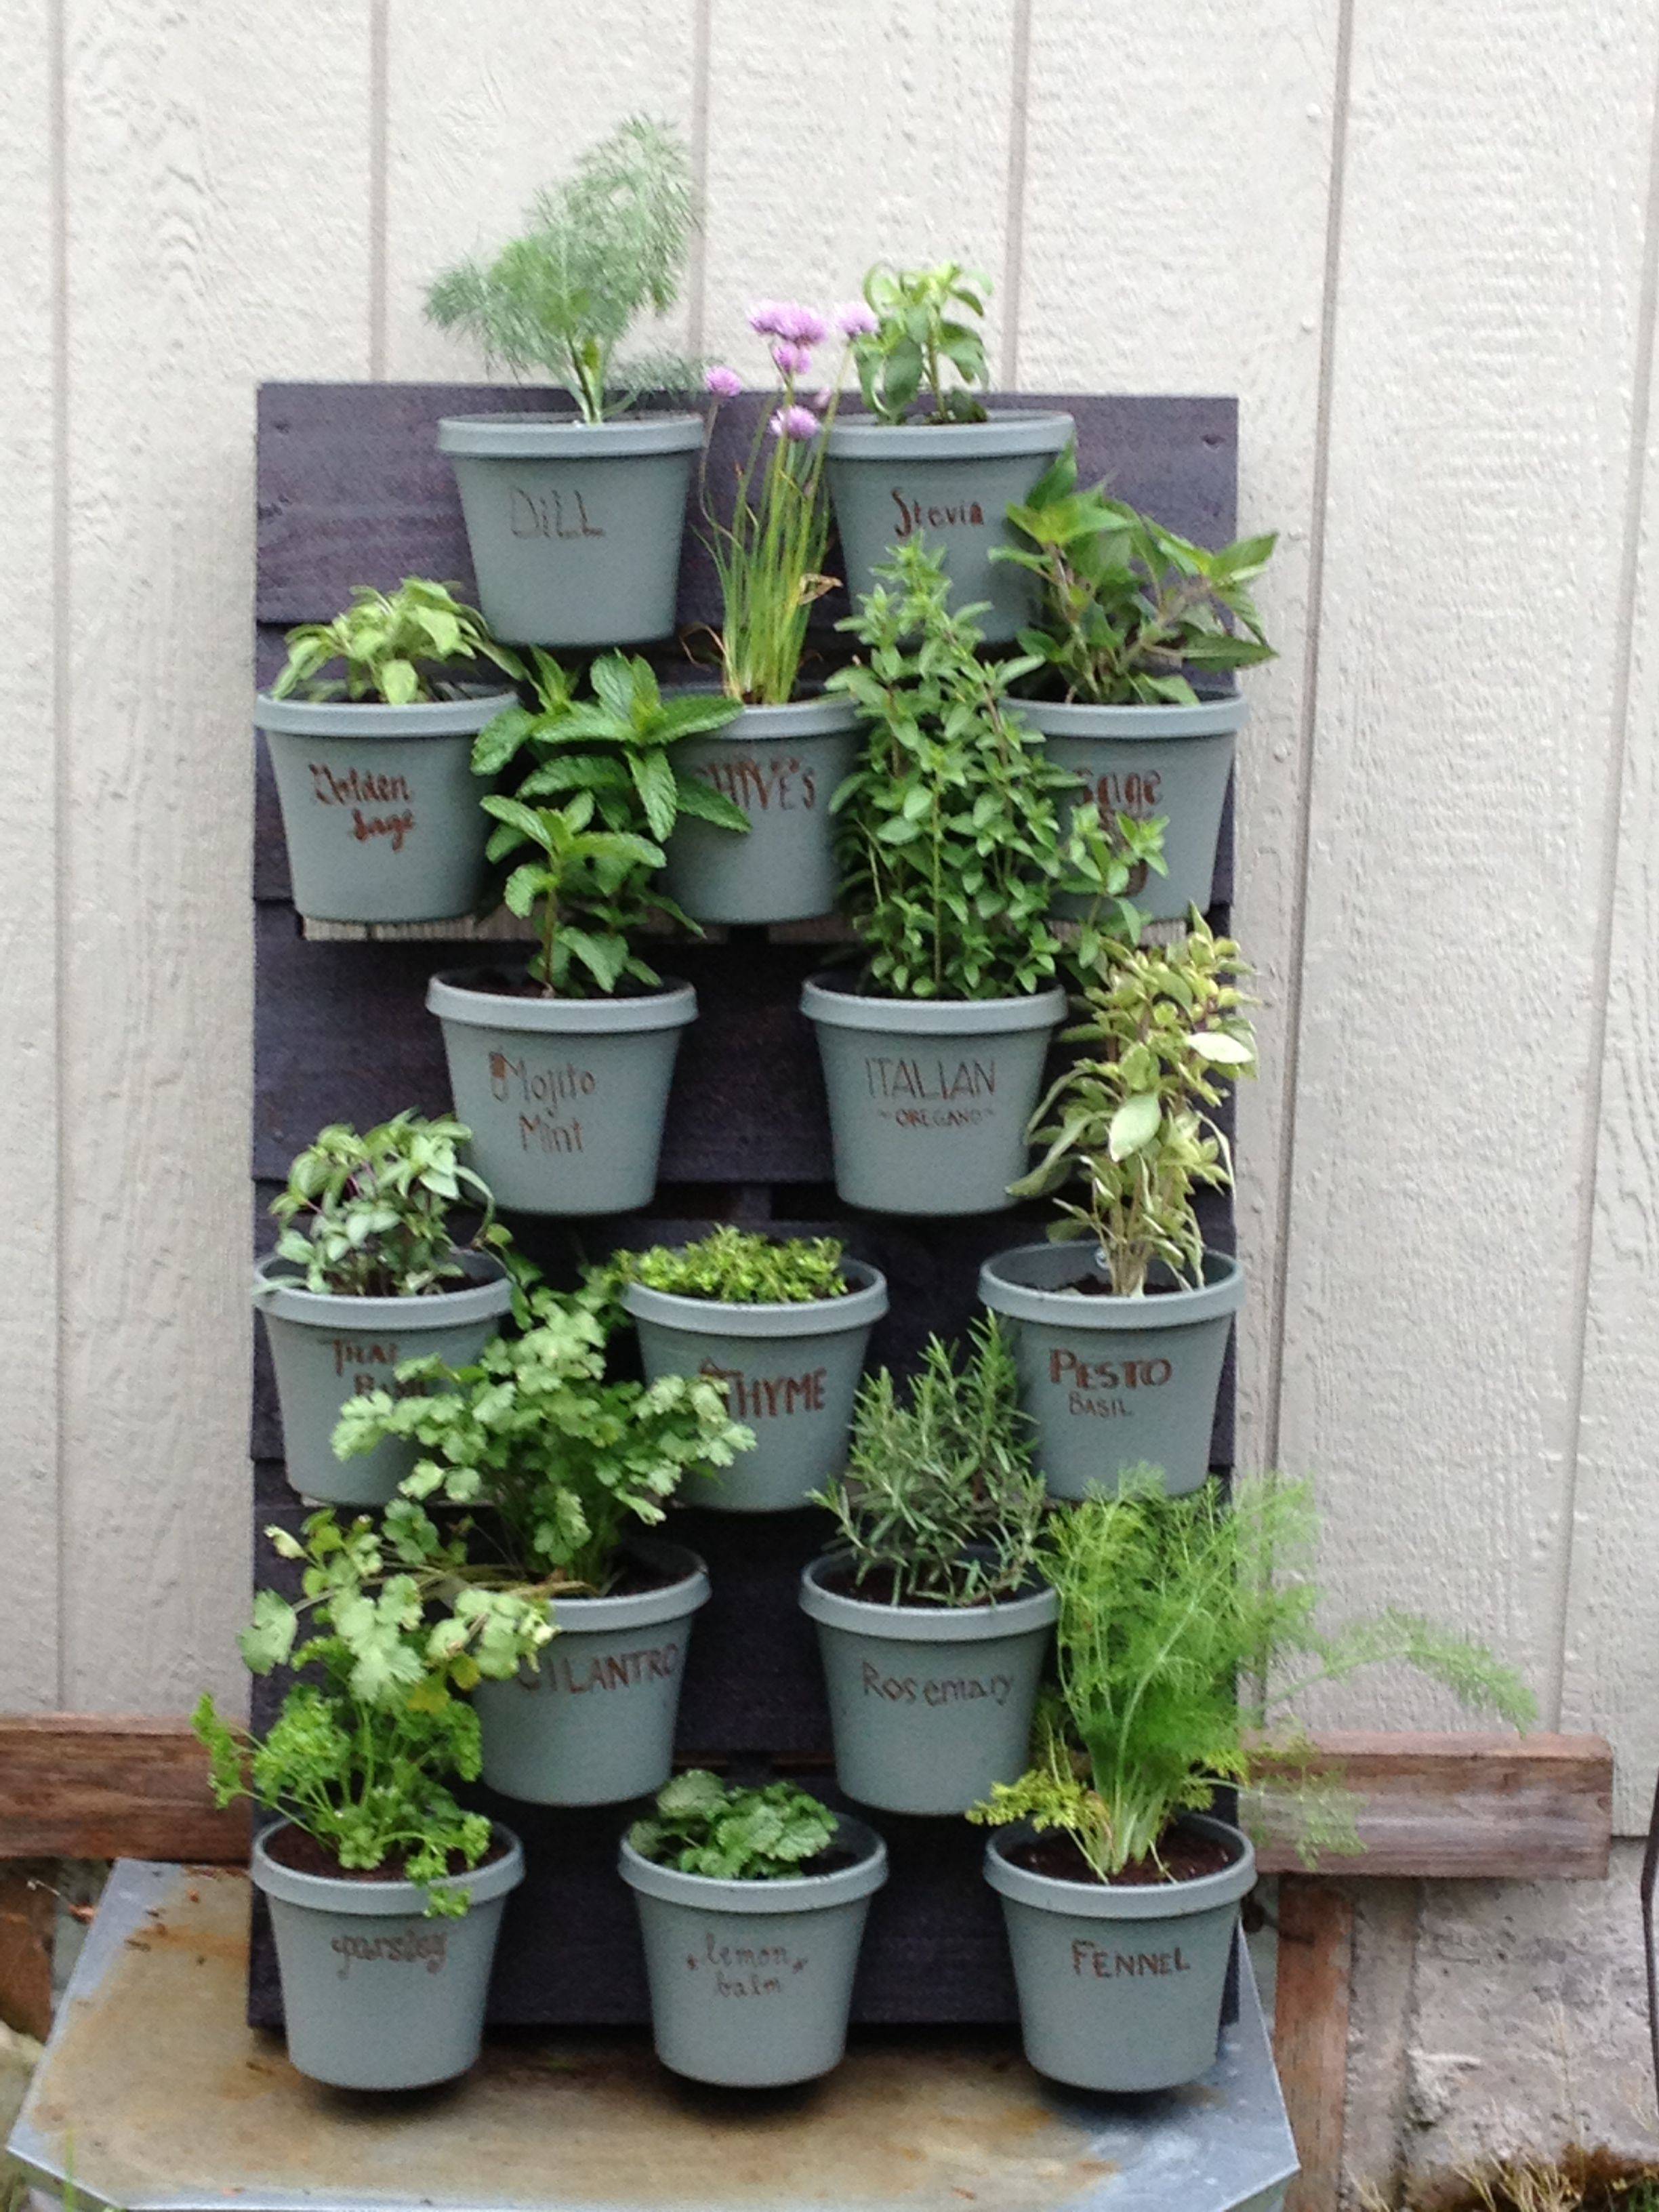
(914, 335)
(955, 832)
(368, 1216)
(1128, 605)
(558, 1464)
(741, 1267)
(415, 643)
(1129, 1120)
(702, 1826)
(362, 1757)
(598, 250)
(938, 1504)
(1188, 1629)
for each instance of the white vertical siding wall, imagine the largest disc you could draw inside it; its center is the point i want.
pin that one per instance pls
(1420, 249)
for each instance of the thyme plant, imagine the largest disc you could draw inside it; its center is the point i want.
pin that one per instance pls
(598, 250)
(1129, 1120)
(914, 335)
(362, 1756)
(1128, 605)
(737, 1267)
(704, 1826)
(938, 1503)
(1188, 1629)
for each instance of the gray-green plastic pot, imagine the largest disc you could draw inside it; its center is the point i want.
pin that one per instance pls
(1174, 762)
(1121, 1989)
(790, 1372)
(929, 1706)
(594, 1723)
(565, 1098)
(782, 765)
(327, 1349)
(1114, 1383)
(574, 526)
(379, 805)
(376, 1994)
(929, 1097)
(751, 1982)
(951, 484)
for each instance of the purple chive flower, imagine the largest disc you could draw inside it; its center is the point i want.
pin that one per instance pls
(767, 316)
(803, 324)
(800, 423)
(855, 320)
(792, 360)
(823, 398)
(724, 383)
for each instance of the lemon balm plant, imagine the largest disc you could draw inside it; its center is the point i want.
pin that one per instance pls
(1122, 1342)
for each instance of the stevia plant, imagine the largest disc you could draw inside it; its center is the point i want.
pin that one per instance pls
(916, 343)
(703, 1826)
(741, 1266)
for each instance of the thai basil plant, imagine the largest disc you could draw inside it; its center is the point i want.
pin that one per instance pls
(741, 1266)
(1127, 607)
(939, 1504)
(703, 1826)
(599, 795)
(396, 648)
(916, 344)
(955, 829)
(1189, 1628)
(1130, 1125)
(363, 1753)
(599, 250)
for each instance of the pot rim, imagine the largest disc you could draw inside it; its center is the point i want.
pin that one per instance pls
(675, 1600)
(819, 715)
(376, 720)
(328, 1309)
(1221, 1293)
(858, 1308)
(451, 999)
(1081, 1900)
(1009, 431)
(811, 1893)
(534, 435)
(821, 1001)
(1131, 724)
(1030, 1614)
(380, 1900)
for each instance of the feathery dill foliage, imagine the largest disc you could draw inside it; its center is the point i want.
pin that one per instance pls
(741, 1267)
(598, 249)
(703, 1827)
(1173, 1613)
(939, 1494)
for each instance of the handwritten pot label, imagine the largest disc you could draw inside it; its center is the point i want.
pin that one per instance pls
(763, 784)
(936, 1690)
(769, 1397)
(368, 1366)
(380, 805)
(930, 1092)
(745, 1970)
(1104, 1964)
(420, 1945)
(549, 513)
(1103, 1389)
(962, 513)
(618, 1670)
(543, 1094)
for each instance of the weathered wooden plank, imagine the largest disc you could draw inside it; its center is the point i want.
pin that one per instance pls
(79, 1785)
(1311, 2031)
(30, 916)
(1213, 278)
(1501, 1807)
(28, 1915)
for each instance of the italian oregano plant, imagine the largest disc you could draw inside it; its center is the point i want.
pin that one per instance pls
(362, 1755)
(741, 1267)
(599, 251)
(418, 642)
(704, 1826)
(1189, 1628)
(1130, 1124)
(939, 1504)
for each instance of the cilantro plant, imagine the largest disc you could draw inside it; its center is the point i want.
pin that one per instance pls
(915, 336)
(938, 1504)
(955, 834)
(1129, 1120)
(362, 1755)
(559, 1464)
(1188, 1629)
(700, 1825)
(1127, 604)
(415, 643)
(368, 1216)
(742, 1268)
(599, 249)
(599, 795)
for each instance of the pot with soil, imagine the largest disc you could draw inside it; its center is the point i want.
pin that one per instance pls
(378, 1992)
(566, 1098)
(930, 1704)
(1114, 1382)
(1121, 1982)
(575, 526)
(929, 1098)
(751, 1971)
(593, 1723)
